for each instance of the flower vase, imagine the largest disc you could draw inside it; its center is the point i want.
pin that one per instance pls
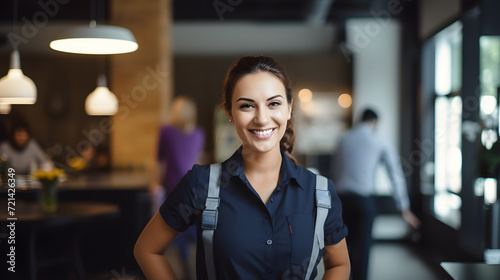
(49, 196)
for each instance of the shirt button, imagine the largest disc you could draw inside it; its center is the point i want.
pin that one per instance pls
(271, 200)
(269, 242)
(267, 216)
(269, 271)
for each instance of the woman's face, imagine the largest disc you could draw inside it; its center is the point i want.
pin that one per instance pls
(21, 137)
(260, 111)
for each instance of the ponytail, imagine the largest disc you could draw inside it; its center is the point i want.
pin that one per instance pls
(288, 140)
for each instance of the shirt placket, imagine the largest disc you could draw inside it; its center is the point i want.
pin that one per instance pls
(271, 208)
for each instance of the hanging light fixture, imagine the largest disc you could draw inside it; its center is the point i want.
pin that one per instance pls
(16, 88)
(95, 39)
(101, 102)
(5, 108)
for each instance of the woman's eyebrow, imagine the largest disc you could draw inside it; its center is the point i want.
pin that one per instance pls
(251, 100)
(245, 99)
(276, 96)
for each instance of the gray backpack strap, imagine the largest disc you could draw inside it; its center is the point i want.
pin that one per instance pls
(209, 218)
(323, 203)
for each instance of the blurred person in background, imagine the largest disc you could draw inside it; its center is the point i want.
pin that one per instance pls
(266, 209)
(96, 158)
(21, 151)
(359, 153)
(180, 146)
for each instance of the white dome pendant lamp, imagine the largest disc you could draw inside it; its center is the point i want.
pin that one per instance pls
(101, 102)
(16, 88)
(95, 39)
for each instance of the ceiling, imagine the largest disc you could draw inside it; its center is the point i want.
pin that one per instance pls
(261, 19)
(201, 10)
(274, 10)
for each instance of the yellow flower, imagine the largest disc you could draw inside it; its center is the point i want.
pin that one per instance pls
(76, 163)
(48, 175)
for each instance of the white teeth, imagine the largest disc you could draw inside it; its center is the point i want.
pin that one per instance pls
(262, 132)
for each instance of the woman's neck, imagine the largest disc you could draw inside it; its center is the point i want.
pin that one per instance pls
(261, 163)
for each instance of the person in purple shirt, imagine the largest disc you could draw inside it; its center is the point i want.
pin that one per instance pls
(180, 146)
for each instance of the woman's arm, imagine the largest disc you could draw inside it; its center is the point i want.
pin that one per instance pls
(336, 259)
(149, 248)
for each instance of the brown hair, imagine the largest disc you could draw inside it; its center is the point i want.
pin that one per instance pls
(254, 64)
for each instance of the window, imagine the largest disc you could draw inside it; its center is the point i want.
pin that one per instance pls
(486, 184)
(490, 83)
(448, 125)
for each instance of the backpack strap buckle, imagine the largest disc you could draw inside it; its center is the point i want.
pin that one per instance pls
(210, 214)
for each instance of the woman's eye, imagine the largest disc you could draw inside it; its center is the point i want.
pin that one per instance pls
(274, 103)
(245, 106)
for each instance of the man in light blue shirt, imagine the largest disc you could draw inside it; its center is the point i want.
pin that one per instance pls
(358, 155)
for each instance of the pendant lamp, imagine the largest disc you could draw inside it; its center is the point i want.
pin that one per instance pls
(16, 88)
(95, 39)
(5, 108)
(101, 102)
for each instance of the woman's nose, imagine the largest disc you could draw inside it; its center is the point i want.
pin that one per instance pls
(261, 117)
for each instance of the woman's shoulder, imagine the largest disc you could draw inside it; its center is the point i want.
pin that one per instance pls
(308, 178)
(303, 172)
(200, 168)
(199, 174)
(194, 182)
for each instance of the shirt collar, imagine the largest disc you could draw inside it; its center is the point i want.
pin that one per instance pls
(366, 126)
(288, 173)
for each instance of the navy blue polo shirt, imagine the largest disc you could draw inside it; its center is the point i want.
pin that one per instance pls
(254, 240)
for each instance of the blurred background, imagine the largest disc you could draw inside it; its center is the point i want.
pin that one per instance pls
(431, 69)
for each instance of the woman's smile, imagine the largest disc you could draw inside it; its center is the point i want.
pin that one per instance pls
(263, 133)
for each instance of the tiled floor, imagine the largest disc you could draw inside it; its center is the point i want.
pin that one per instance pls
(400, 261)
(393, 257)
(397, 261)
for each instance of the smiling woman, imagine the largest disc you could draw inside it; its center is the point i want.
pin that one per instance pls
(260, 118)
(261, 78)
(262, 215)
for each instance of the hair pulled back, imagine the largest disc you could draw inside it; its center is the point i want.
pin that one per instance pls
(251, 65)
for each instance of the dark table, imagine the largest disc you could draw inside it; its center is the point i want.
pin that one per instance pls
(470, 271)
(74, 215)
(128, 190)
(92, 181)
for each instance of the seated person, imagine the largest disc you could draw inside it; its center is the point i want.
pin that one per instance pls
(21, 151)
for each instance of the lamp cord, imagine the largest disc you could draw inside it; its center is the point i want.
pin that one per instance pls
(93, 13)
(14, 23)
